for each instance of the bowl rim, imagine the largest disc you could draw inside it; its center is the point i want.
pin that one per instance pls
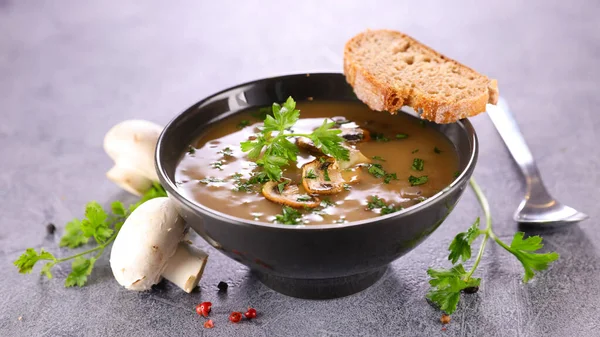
(173, 190)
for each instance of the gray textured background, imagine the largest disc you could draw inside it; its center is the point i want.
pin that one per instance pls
(69, 70)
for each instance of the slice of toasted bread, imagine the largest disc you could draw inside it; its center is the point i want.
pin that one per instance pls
(388, 70)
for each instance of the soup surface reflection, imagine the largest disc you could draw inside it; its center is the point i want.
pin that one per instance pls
(418, 162)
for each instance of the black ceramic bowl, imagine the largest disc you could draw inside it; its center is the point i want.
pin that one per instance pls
(316, 261)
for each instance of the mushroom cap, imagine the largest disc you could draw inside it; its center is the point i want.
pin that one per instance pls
(146, 242)
(322, 183)
(134, 141)
(289, 195)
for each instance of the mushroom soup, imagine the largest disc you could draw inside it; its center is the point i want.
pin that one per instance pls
(392, 162)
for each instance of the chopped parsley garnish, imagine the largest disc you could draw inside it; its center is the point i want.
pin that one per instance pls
(289, 216)
(415, 181)
(401, 135)
(259, 178)
(228, 152)
(378, 158)
(378, 203)
(422, 122)
(456, 174)
(436, 150)
(418, 164)
(379, 137)
(389, 177)
(209, 180)
(281, 186)
(243, 124)
(347, 187)
(326, 203)
(217, 165)
(191, 149)
(376, 170)
(272, 148)
(326, 174)
(303, 198)
(415, 151)
(310, 174)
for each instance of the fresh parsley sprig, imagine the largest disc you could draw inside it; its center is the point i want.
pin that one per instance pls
(272, 148)
(447, 284)
(98, 224)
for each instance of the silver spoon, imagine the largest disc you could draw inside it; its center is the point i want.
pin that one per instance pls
(538, 207)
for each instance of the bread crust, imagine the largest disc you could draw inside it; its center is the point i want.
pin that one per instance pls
(379, 94)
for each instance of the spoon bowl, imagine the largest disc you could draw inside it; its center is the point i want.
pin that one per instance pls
(538, 208)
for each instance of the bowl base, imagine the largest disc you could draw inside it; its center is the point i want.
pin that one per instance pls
(321, 288)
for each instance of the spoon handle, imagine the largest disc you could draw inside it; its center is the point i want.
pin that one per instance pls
(509, 131)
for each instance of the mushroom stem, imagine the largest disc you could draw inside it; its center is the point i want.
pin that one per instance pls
(186, 266)
(129, 179)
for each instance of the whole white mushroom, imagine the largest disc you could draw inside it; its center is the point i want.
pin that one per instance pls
(151, 244)
(131, 144)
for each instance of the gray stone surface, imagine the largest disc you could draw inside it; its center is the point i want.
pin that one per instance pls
(71, 69)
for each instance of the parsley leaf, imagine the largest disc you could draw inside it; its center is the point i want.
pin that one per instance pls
(418, 164)
(95, 224)
(289, 216)
(378, 158)
(436, 150)
(272, 149)
(401, 136)
(524, 250)
(191, 149)
(460, 248)
(329, 141)
(27, 260)
(447, 284)
(73, 236)
(81, 268)
(416, 181)
(283, 118)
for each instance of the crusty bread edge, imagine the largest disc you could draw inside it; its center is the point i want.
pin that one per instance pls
(380, 97)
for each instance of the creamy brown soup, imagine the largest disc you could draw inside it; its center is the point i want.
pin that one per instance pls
(215, 168)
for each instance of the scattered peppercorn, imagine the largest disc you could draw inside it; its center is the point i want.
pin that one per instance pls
(50, 228)
(209, 324)
(235, 317)
(471, 290)
(203, 309)
(445, 319)
(223, 286)
(251, 313)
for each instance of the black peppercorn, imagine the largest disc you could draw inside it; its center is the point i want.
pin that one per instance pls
(222, 286)
(50, 228)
